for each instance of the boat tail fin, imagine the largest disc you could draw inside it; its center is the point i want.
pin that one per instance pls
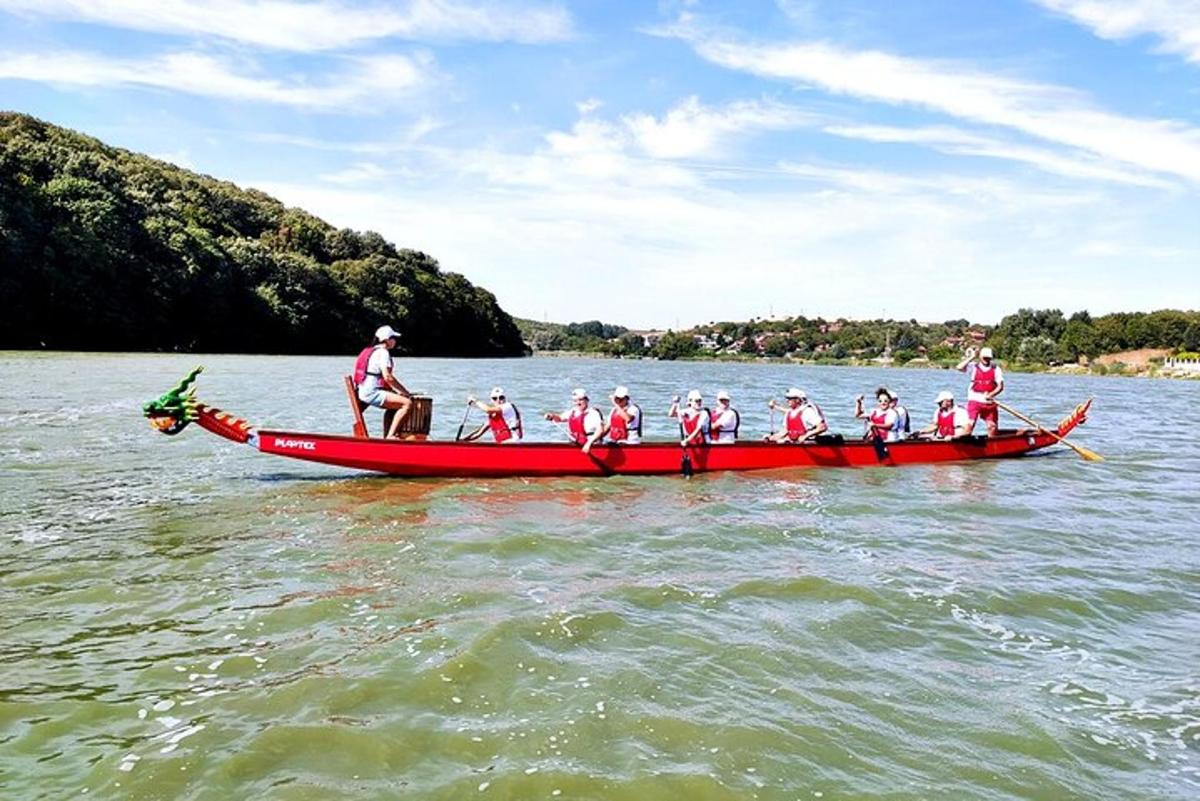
(1076, 418)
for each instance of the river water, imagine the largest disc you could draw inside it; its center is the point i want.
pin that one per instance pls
(184, 618)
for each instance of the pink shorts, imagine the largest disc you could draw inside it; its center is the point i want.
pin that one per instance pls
(987, 411)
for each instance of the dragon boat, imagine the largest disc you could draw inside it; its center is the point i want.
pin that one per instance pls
(420, 457)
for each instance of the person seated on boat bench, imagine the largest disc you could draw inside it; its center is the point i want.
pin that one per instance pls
(585, 424)
(949, 419)
(725, 422)
(881, 421)
(503, 419)
(802, 421)
(987, 381)
(903, 427)
(625, 419)
(379, 386)
(693, 419)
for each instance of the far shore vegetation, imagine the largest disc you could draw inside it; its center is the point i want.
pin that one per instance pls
(1164, 342)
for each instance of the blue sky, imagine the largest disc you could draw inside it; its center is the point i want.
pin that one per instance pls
(671, 163)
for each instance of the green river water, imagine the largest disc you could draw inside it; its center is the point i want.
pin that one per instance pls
(184, 618)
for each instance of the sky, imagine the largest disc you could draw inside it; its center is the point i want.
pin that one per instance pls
(665, 164)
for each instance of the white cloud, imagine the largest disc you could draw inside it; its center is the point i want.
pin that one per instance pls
(314, 26)
(365, 83)
(958, 142)
(1044, 111)
(587, 202)
(691, 129)
(1176, 23)
(588, 106)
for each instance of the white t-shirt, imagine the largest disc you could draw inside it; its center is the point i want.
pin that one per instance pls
(980, 397)
(726, 420)
(380, 358)
(811, 417)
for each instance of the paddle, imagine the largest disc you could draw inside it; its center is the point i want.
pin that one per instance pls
(1090, 456)
(463, 424)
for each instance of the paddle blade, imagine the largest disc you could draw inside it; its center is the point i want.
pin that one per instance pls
(685, 466)
(1090, 456)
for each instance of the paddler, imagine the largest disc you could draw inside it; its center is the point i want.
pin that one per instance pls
(503, 418)
(725, 421)
(903, 426)
(585, 424)
(693, 419)
(377, 384)
(987, 381)
(949, 419)
(802, 421)
(625, 419)
(881, 421)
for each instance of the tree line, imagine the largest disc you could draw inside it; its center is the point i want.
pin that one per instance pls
(104, 249)
(1029, 336)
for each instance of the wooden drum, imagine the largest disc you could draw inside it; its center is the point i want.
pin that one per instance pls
(418, 420)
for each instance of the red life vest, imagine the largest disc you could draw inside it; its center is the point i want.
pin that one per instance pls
(794, 420)
(984, 379)
(575, 425)
(618, 430)
(945, 422)
(688, 424)
(360, 365)
(879, 421)
(499, 425)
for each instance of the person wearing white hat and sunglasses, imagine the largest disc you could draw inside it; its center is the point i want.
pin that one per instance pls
(724, 422)
(585, 423)
(693, 419)
(987, 381)
(503, 418)
(949, 419)
(802, 421)
(377, 384)
(625, 419)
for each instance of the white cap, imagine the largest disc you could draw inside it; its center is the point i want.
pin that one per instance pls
(497, 392)
(386, 332)
(579, 394)
(695, 395)
(986, 353)
(621, 392)
(722, 395)
(945, 396)
(796, 393)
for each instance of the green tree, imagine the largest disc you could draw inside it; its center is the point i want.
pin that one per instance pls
(1079, 338)
(672, 346)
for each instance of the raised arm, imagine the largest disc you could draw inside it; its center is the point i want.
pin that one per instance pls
(968, 357)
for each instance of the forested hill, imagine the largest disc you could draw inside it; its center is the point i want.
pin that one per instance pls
(103, 249)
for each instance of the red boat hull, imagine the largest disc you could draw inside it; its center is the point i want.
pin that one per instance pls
(434, 459)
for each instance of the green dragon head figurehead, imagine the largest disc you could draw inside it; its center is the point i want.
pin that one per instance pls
(173, 410)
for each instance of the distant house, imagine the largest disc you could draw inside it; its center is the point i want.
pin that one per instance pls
(705, 341)
(649, 338)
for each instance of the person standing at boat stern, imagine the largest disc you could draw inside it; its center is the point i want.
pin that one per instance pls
(881, 421)
(503, 418)
(585, 424)
(802, 421)
(725, 421)
(949, 420)
(693, 419)
(377, 384)
(987, 381)
(625, 419)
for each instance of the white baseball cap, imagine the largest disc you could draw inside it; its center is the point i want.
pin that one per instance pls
(621, 392)
(945, 396)
(722, 395)
(695, 395)
(497, 392)
(386, 332)
(579, 394)
(796, 393)
(986, 353)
